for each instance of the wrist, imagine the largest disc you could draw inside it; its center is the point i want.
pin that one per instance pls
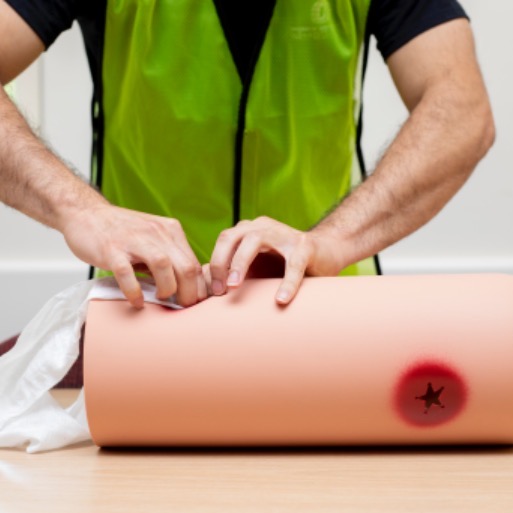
(75, 203)
(332, 245)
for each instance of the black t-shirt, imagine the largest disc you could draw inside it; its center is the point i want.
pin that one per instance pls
(392, 22)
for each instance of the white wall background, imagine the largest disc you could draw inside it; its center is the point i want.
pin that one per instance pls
(473, 234)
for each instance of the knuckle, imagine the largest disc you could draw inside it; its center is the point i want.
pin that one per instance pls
(153, 228)
(122, 269)
(191, 270)
(263, 219)
(217, 267)
(303, 239)
(174, 224)
(297, 262)
(255, 237)
(161, 262)
(225, 235)
(303, 246)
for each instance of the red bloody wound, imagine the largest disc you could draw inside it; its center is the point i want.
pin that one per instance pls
(429, 394)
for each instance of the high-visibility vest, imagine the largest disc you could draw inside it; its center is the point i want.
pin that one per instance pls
(186, 138)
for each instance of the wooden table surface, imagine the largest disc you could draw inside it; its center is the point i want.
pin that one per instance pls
(87, 479)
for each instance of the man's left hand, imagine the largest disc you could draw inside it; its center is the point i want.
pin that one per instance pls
(304, 253)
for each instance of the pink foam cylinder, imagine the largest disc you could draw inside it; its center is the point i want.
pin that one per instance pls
(363, 360)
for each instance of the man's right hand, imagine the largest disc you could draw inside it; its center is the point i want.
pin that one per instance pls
(125, 241)
(36, 182)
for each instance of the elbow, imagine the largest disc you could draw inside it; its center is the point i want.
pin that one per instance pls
(489, 132)
(484, 129)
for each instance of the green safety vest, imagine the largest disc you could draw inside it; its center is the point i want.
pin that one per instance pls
(185, 138)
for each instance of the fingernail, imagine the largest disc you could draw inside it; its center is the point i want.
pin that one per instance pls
(233, 278)
(217, 287)
(282, 296)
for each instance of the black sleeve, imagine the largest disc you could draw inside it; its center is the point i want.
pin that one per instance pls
(396, 22)
(47, 18)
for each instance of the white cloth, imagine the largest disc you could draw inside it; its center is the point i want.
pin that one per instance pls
(43, 354)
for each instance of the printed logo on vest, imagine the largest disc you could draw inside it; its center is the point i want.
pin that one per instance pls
(321, 12)
(321, 23)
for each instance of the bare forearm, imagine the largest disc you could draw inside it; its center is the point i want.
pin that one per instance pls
(32, 179)
(431, 158)
(36, 182)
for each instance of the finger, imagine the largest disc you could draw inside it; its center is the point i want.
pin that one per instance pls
(175, 269)
(161, 268)
(248, 249)
(202, 287)
(180, 239)
(186, 273)
(208, 278)
(125, 276)
(222, 256)
(294, 273)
